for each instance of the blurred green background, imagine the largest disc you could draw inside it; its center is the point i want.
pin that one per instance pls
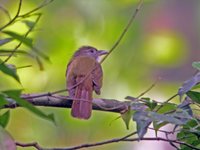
(162, 43)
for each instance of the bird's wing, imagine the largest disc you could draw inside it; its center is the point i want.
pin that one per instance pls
(97, 76)
(71, 79)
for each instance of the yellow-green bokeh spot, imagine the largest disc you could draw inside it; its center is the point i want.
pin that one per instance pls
(165, 49)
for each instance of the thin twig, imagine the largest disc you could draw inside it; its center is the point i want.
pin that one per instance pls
(98, 143)
(163, 131)
(32, 12)
(115, 140)
(124, 31)
(23, 52)
(44, 3)
(146, 91)
(33, 144)
(38, 147)
(162, 139)
(20, 43)
(171, 143)
(22, 67)
(13, 52)
(45, 94)
(12, 20)
(5, 11)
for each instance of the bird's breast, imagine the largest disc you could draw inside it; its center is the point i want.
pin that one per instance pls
(82, 65)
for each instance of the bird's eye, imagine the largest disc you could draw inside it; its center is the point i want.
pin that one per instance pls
(92, 50)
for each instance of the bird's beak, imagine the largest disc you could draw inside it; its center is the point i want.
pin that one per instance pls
(102, 52)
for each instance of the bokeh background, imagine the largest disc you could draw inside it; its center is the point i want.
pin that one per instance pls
(162, 43)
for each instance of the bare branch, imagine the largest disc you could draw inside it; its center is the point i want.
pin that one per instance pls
(12, 20)
(125, 30)
(161, 139)
(22, 67)
(147, 90)
(33, 144)
(5, 11)
(115, 140)
(99, 143)
(44, 3)
(20, 43)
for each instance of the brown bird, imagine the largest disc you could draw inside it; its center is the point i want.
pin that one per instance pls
(84, 75)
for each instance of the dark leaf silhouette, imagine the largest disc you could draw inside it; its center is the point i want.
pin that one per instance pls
(189, 84)
(27, 41)
(4, 41)
(142, 121)
(4, 118)
(9, 70)
(15, 95)
(195, 96)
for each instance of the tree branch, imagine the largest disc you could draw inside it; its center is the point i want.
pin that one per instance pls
(33, 144)
(61, 101)
(115, 140)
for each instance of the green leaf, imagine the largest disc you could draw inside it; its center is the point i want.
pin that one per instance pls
(127, 117)
(166, 108)
(29, 24)
(15, 95)
(158, 125)
(150, 103)
(40, 64)
(6, 141)
(9, 71)
(190, 134)
(4, 119)
(196, 87)
(3, 101)
(195, 96)
(179, 117)
(189, 84)
(27, 41)
(144, 118)
(196, 65)
(192, 124)
(185, 105)
(10, 93)
(142, 121)
(169, 118)
(4, 41)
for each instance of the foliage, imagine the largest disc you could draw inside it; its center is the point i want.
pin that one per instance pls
(11, 70)
(144, 111)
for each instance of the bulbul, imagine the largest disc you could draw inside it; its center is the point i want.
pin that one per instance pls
(84, 75)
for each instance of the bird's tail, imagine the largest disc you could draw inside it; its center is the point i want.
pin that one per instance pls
(82, 106)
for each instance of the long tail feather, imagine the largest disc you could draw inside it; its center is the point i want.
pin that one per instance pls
(82, 106)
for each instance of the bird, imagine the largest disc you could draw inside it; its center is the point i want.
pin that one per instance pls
(84, 75)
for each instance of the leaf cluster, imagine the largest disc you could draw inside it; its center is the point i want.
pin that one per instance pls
(145, 111)
(13, 97)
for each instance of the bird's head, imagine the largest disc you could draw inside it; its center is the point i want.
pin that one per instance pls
(90, 51)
